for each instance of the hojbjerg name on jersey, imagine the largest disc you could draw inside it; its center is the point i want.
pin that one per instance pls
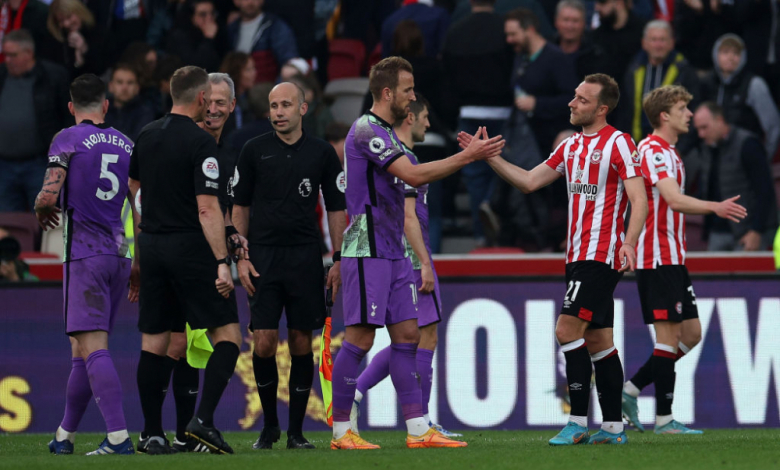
(113, 139)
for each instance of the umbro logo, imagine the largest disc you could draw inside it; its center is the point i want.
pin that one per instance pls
(575, 386)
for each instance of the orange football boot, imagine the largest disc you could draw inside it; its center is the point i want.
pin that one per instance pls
(352, 441)
(432, 438)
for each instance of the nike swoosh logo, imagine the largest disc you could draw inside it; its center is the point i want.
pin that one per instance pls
(264, 385)
(302, 389)
(265, 157)
(192, 392)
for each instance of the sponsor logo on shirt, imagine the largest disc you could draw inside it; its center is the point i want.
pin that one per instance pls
(636, 159)
(376, 145)
(211, 168)
(590, 191)
(385, 154)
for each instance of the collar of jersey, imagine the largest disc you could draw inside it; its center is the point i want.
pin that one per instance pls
(295, 145)
(382, 121)
(102, 125)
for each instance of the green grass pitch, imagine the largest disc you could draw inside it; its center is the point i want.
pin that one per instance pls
(754, 449)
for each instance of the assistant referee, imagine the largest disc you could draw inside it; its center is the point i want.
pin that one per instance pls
(180, 249)
(276, 191)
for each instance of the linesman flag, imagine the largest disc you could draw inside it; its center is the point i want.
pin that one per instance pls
(326, 360)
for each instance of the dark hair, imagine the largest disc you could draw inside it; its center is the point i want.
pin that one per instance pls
(408, 39)
(483, 3)
(419, 104)
(336, 131)
(87, 91)
(187, 82)
(124, 66)
(525, 17)
(385, 75)
(134, 56)
(609, 94)
(184, 17)
(165, 69)
(257, 96)
(233, 64)
(715, 109)
(21, 37)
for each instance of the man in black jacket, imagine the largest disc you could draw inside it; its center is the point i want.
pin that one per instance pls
(127, 112)
(33, 107)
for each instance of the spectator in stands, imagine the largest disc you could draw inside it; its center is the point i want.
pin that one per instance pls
(143, 58)
(299, 15)
(433, 23)
(760, 21)
(731, 161)
(82, 46)
(363, 20)
(242, 71)
(505, 6)
(12, 268)
(122, 22)
(744, 97)
(127, 112)
(257, 98)
(162, 79)
(262, 34)
(575, 41)
(33, 107)
(318, 116)
(698, 24)
(619, 35)
(336, 135)
(197, 38)
(484, 98)
(161, 20)
(25, 14)
(657, 64)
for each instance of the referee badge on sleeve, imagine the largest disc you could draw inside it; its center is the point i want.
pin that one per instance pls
(211, 168)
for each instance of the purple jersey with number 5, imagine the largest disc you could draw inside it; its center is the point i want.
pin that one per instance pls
(97, 159)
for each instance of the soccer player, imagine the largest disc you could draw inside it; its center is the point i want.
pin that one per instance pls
(665, 290)
(278, 180)
(379, 287)
(181, 246)
(87, 171)
(418, 247)
(601, 166)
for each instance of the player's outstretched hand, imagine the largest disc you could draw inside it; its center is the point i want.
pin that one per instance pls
(245, 269)
(428, 280)
(48, 218)
(730, 210)
(480, 147)
(135, 281)
(627, 257)
(334, 280)
(224, 280)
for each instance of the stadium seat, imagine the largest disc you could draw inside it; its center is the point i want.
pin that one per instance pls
(24, 227)
(347, 58)
(375, 56)
(347, 96)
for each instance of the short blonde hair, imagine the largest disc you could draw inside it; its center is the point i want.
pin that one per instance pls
(67, 7)
(661, 100)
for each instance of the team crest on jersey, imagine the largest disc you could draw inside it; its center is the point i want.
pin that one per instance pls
(376, 145)
(305, 187)
(595, 157)
(678, 307)
(341, 182)
(658, 159)
(211, 168)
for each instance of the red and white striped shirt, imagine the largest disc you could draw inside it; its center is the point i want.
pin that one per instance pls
(595, 166)
(663, 238)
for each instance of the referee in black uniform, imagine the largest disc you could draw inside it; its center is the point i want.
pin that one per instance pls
(276, 192)
(181, 247)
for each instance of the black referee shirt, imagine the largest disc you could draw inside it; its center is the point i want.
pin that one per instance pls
(282, 182)
(175, 160)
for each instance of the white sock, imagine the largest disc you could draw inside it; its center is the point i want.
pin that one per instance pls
(580, 420)
(358, 396)
(427, 418)
(682, 347)
(663, 420)
(417, 426)
(631, 389)
(118, 437)
(614, 427)
(340, 428)
(62, 435)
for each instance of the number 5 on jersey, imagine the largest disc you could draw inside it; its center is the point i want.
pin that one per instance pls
(105, 173)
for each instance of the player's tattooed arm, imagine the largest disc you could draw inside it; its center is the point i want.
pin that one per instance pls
(45, 203)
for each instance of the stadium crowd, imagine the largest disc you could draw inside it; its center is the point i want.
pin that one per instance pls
(508, 65)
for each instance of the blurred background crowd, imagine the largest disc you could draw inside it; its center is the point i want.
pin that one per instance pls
(510, 65)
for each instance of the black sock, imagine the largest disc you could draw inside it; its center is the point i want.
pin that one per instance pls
(644, 376)
(609, 383)
(578, 372)
(301, 378)
(267, 379)
(154, 373)
(219, 369)
(664, 377)
(185, 393)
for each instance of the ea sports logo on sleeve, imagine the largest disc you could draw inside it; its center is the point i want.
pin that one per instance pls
(211, 168)
(376, 145)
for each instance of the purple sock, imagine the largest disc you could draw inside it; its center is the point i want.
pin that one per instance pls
(77, 395)
(403, 371)
(107, 389)
(425, 370)
(377, 370)
(345, 372)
